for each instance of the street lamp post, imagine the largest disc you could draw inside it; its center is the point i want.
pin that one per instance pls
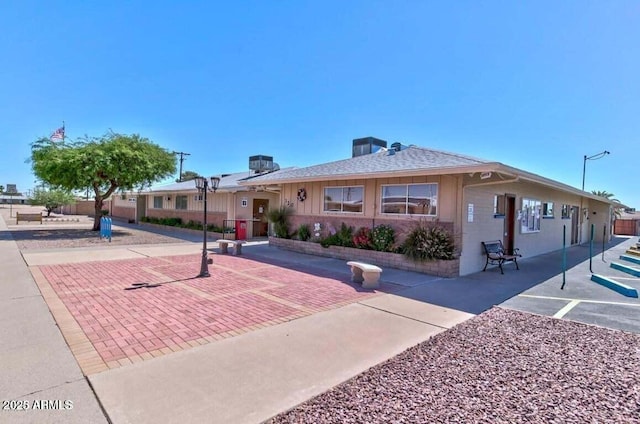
(203, 186)
(584, 168)
(586, 158)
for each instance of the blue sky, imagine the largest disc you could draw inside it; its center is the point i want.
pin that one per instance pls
(535, 85)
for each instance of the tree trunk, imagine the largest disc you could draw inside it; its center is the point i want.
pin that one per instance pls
(98, 213)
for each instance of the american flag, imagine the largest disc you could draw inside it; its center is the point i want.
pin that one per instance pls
(58, 134)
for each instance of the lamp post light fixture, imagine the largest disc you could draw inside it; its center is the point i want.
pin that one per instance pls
(203, 185)
(594, 157)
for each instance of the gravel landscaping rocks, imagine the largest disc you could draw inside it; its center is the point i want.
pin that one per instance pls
(52, 238)
(503, 366)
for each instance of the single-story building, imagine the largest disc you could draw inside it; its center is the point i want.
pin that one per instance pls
(231, 206)
(474, 199)
(14, 199)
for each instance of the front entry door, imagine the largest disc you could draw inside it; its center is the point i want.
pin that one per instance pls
(575, 224)
(509, 223)
(260, 225)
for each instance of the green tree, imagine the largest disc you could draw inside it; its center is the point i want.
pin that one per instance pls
(113, 161)
(610, 196)
(188, 176)
(51, 199)
(1, 189)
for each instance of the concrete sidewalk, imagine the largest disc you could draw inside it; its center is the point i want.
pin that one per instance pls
(37, 364)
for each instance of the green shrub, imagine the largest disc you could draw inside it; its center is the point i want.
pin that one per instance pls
(343, 237)
(304, 232)
(172, 222)
(383, 238)
(193, 225)
(424, 243)
(280, 219)
(150, 219)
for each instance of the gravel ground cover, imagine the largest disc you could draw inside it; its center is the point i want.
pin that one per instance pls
(60, 237)
(503, 366)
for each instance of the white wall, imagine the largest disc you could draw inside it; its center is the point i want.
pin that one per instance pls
(550, 237)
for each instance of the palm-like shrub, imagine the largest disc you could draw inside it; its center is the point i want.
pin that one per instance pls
(280, 219)
(304, 232)
(428, 243)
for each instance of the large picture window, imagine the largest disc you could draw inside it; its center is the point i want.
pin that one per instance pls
(530, 216)
(410, 199)
(181, 202)
(343, 199)
(157, 202)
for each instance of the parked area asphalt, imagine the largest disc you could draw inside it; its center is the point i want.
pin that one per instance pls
(126, 333)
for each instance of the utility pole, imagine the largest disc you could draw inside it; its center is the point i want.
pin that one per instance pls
(182, 155)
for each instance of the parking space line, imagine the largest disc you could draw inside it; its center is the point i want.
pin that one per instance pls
(580, 300)
(569, 306)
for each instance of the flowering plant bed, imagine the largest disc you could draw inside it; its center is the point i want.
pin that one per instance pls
(441, 268)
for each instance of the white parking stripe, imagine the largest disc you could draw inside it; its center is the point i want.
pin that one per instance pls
(580, 300)
(569, 306)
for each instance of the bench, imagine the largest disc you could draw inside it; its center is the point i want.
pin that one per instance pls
(366, 274)
(494, 250)
(31, 217)
(236, 244)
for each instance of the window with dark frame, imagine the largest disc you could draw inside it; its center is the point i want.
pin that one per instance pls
(157, 202)
(547, 210)
(181, 202)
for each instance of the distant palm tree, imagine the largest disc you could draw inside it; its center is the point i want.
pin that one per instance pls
(609, 196)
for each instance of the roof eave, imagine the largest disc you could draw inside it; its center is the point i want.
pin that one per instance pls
(384, 174)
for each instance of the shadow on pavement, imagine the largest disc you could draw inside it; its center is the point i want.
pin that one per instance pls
(476, 293)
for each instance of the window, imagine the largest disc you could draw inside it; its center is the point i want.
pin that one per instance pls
(181, 202)
(343, 199)
(566, 211)
(499, 205)
(410, 199)
(530, 216)
(197, 197)
(157, 202)
(547, 210)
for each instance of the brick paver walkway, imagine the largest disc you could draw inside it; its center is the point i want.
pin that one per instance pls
(107, 326)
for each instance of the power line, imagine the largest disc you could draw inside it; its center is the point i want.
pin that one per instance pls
(182, 155)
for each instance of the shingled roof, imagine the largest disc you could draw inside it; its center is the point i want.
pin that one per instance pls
(409, 159)
(228, 182)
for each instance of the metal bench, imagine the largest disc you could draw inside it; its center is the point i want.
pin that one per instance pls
(367, 274)
(494, 250)
(30, 217)
(236, 244)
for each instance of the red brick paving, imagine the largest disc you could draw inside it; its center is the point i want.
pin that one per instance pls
(241, 295)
